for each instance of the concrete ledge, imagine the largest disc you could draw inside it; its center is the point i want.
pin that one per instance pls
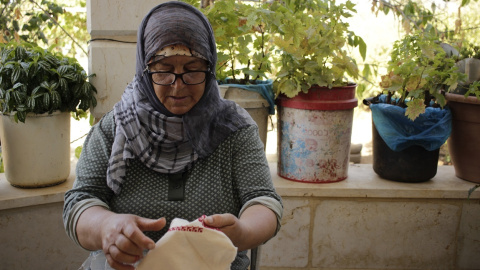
(12, 197)
(363, 182)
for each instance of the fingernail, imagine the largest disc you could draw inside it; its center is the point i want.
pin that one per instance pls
(209, 220)
(151, 246)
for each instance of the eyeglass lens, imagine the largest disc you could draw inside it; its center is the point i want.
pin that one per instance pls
(166, 78)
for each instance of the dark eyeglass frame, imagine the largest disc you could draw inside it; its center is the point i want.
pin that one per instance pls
(178, 75)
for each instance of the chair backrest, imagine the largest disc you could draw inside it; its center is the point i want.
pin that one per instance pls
(255, 258)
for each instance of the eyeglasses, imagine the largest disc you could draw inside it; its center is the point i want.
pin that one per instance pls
(169, 78)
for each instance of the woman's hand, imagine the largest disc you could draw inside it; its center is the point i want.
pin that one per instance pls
(256, 225)
(230, 225)
(123, 241)
(120, 236)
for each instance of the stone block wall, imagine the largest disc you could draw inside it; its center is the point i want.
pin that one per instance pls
(113, 26)
(366, 222)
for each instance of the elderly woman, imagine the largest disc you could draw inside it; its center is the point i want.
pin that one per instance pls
(171, 148)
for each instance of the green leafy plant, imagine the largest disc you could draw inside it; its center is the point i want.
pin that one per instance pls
(418, 72)
(37, 80)
(21, 21)
(471, 53)
(243, 47)
(45, 23)
(453, 22)
(312, 38)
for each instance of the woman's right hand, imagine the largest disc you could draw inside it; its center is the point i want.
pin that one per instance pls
(120, 236)
(123, 240)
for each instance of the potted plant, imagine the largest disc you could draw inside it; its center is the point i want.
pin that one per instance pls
(315, 99)
(410, 120)
(244, 56)
(38, 91)
(464, 102)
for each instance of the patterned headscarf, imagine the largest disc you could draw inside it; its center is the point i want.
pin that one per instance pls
(145, 129)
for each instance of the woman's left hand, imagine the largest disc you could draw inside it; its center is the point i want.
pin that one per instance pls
(230, 225)
(256, 225)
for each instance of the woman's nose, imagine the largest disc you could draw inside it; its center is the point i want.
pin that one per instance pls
(178, 82)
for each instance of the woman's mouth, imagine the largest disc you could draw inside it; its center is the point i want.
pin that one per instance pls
(178, 98)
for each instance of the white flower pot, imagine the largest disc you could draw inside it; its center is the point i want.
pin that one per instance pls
(253, 103)
(36, 153)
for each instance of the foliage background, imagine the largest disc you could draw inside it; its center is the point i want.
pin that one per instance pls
(60, 24)
(378, 22)
(454, 21)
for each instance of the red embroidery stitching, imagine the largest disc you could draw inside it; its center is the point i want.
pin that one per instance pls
(193, 228)
(186, 229)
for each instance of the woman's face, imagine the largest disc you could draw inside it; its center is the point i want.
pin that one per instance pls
(178, 97)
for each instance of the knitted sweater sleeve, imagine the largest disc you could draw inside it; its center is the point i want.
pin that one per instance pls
(252, 173)
(90, 187)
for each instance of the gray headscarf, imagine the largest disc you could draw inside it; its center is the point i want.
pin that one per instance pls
(145, 129)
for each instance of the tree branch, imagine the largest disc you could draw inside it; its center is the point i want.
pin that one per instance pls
(56, 23)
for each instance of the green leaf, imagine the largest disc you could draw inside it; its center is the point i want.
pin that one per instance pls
(78, 151)
(56, 100)
(44, 65)
(46, 101)
(30, 103)
(37, 89)
(21, 116)
(62, 82)
(362, 48)
(63, 69)
(18, 97)
(288, 87)
(19, 85)
(414, 108)
(17, 72)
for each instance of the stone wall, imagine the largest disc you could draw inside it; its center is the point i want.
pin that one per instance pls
(113, 26)
(366, 222)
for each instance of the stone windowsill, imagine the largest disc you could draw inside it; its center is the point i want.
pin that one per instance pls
(12, 197)
(362, 182)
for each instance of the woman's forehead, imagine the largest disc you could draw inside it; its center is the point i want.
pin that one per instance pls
(177, 59)
(178, 49)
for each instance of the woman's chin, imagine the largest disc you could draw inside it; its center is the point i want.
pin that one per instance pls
(178, 110)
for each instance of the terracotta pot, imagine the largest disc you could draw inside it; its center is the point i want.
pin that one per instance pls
(464, 141)
(314, 134)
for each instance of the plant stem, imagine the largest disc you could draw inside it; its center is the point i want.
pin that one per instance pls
(262, 50)
(232, 60)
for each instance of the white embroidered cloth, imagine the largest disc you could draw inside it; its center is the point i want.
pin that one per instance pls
(190, 245)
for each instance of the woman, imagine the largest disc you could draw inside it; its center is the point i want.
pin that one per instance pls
(171, 148)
